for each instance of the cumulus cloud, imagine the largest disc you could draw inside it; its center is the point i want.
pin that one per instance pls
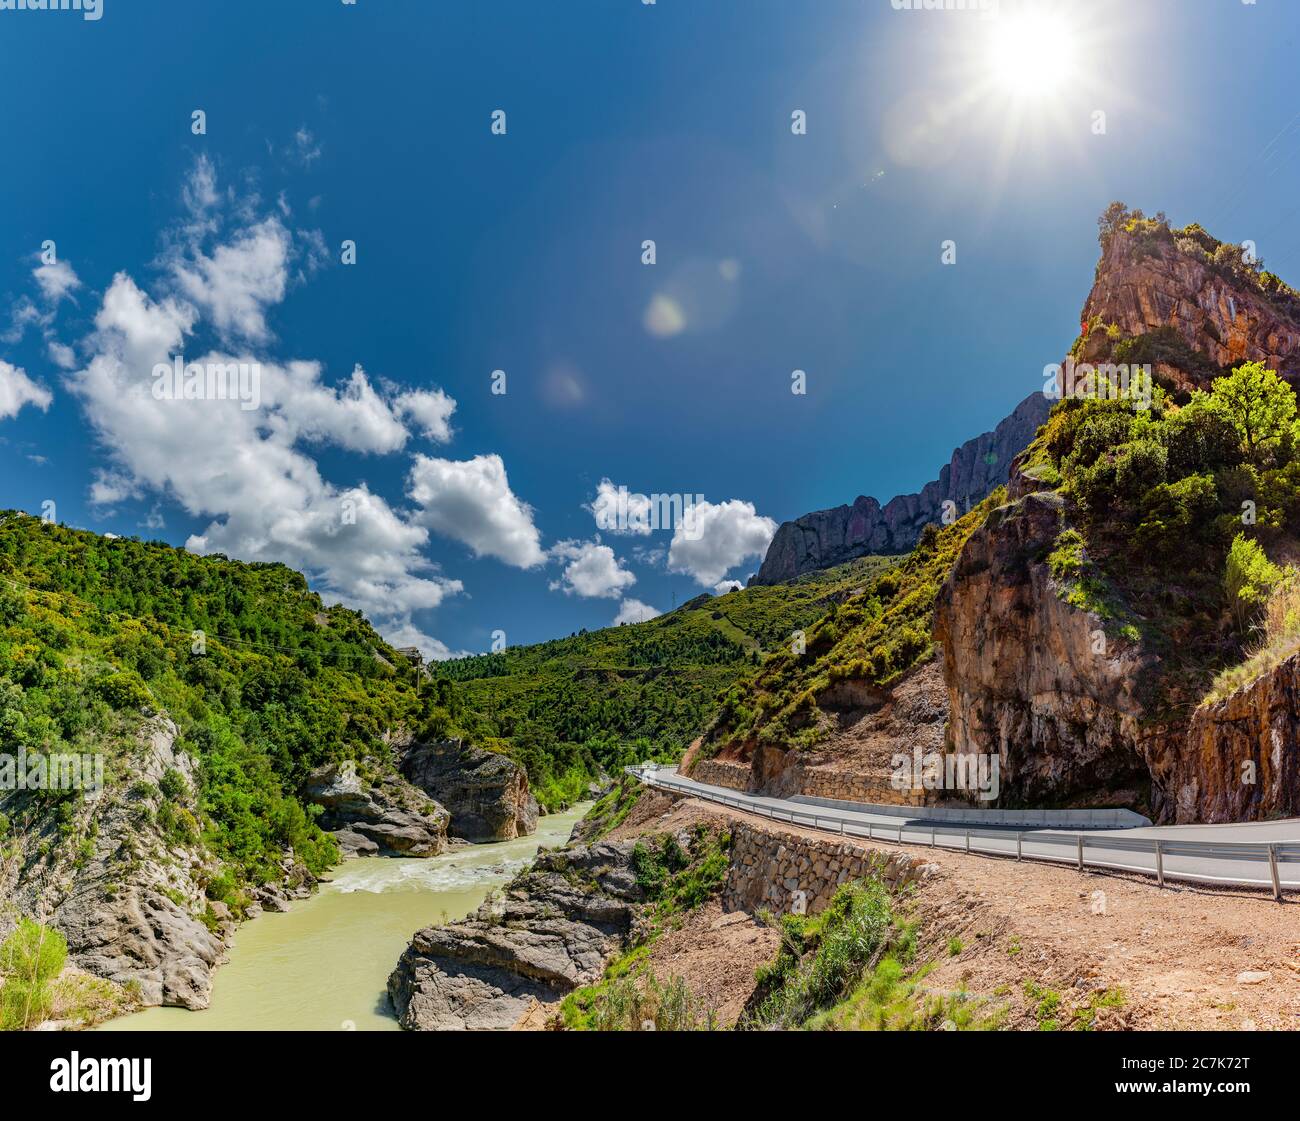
(618, 510)
(56, 280)
(17, 390)
(634, 611)
(591, 570)
(247, 471)
(431, 410)
(239, 280)
(716, 538)
(471, 501)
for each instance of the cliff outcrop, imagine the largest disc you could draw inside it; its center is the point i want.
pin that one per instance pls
(826, 538)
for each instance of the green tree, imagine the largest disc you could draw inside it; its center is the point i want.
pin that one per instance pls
(1260, 405)
(1250, 578)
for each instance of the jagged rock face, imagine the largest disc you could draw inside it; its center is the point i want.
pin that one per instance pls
(1239, 758)
(486, 794)
(1027, 676)
(1142, 288)
(129, 909)
(389, 818)
(559, 924)
(829, 537)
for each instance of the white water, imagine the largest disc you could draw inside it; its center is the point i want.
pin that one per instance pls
(324, 965)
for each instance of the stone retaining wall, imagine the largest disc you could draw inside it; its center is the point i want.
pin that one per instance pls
(769, 866)
(850, 786)
(715, 772)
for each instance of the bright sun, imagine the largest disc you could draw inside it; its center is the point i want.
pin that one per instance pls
(1031, 55)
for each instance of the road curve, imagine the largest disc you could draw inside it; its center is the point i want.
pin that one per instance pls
(1237, 854)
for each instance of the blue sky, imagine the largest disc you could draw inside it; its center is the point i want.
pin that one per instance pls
(522, 252)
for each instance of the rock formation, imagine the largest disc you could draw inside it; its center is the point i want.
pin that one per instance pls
(1074, 715)
(829, 537)
(555, 929)
(388, 818)
(1029, 678)
(132, 907)
(486, 794)
(1147, 283)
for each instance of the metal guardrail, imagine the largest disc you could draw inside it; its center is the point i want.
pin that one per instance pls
(1271, 864)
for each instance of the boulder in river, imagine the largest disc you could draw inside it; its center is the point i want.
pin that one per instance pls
(486, 793)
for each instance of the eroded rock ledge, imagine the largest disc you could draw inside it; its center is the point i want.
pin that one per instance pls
(554, 930)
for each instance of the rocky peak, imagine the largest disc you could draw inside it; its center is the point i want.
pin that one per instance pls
(1193, 290)
(826, 538)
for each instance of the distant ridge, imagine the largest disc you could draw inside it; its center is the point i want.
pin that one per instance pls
(826, 538)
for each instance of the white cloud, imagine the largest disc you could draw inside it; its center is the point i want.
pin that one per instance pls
(56, 280)
(433, 649)
(62, 356)
(431, 410)
(241, 278)
(618, 510)
(17, 390)
(718, 537)
(722, 587)
(354, 417)
(634, 611)
(592, 570)
(246, 470)
(471, 501)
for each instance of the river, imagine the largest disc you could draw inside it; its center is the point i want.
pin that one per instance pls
(324, 964)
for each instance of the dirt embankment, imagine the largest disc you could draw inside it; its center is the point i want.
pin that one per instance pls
(1042, 941)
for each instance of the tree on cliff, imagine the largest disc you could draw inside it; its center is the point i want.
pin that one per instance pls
(1260, 405)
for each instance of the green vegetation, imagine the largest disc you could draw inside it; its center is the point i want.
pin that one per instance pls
(612, 809)
(266, 683)
(635, 1002)
(1172, 512)
(30, 959)
(871, 638)
(629, 995)
(605, 699)
(852, 968)
(263, 682)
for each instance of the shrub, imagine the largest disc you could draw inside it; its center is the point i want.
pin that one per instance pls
(1249, 580)
(30, 958)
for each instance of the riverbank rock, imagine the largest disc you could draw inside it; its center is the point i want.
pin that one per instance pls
(553, 931)
(127, 898)
(390, 817)
(486, 794)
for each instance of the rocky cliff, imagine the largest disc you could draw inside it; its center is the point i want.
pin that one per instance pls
(486, 794)
(131, 905)
(1032, 679)
(390, 817)
(1237, 758)
(829, 537)
(1078, 710)
(1151, 279)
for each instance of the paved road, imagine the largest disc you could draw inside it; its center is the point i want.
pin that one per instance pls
(1229, 854)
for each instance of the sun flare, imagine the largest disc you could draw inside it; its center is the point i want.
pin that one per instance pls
(1031, 55)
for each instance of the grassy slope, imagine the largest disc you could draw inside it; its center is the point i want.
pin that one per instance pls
(873, 637)
(606, 698)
